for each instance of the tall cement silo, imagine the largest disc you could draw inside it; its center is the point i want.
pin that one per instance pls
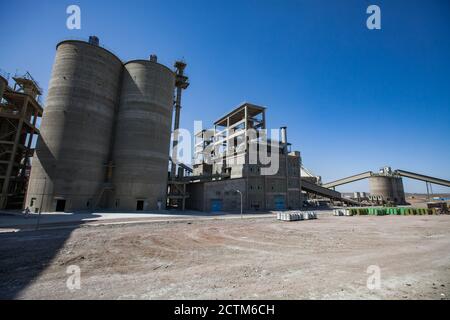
(68, 167)
(141, 150)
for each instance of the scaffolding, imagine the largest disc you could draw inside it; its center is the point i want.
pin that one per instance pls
(20, 112)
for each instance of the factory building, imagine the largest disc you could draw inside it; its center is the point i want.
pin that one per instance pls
(105, 141)
(105, 132)
(231, 172)
(105, 138)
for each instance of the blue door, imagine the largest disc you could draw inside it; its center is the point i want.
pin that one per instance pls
(279, 202)
(216, 205)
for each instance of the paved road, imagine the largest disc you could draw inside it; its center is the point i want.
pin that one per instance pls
(18, 222)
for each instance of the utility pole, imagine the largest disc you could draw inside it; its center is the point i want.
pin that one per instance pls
(238, 191)
(42, 203)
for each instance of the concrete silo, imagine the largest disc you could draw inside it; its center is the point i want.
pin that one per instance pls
(143, 128)
(68, 168)
(389, 187)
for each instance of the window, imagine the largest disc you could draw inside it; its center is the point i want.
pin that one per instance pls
(32, 201)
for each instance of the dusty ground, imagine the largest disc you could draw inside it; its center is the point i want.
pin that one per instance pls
(254, 258)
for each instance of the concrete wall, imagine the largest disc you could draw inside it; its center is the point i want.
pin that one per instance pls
(141, 151)
(76, 129)
(202, 194)
(270, 192)
(257, 194)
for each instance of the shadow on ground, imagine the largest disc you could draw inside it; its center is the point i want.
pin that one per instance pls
(24, 255)
(25, 251)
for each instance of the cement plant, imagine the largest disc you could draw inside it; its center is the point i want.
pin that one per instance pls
(94, 175)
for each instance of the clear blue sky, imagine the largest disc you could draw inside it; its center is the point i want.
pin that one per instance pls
(353, 99)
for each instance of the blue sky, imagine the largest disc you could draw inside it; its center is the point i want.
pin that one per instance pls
(353, 99)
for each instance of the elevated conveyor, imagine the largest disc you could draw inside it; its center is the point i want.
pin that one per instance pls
(353, 178)
(422, 177)
(325, 192)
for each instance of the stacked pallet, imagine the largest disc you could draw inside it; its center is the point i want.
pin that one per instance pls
(373, 211)
(296, 216)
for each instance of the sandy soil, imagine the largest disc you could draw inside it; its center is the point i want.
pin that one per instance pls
(258, 258)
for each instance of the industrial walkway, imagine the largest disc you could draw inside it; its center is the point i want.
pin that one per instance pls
(398, 172)
(325, 192)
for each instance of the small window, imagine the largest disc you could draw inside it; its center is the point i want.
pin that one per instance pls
(32, 201)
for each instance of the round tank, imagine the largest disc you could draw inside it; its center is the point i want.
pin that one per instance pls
(141, 149)
(3, 84)
(68, 168)
(389, 187)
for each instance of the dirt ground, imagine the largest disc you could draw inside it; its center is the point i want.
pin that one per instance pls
(257, 258)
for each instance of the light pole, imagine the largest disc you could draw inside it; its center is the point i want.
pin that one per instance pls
(40, 207)
(241, 200)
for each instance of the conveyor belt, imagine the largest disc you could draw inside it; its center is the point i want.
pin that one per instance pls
(422, 177)
(325, 192)
(356, 177)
